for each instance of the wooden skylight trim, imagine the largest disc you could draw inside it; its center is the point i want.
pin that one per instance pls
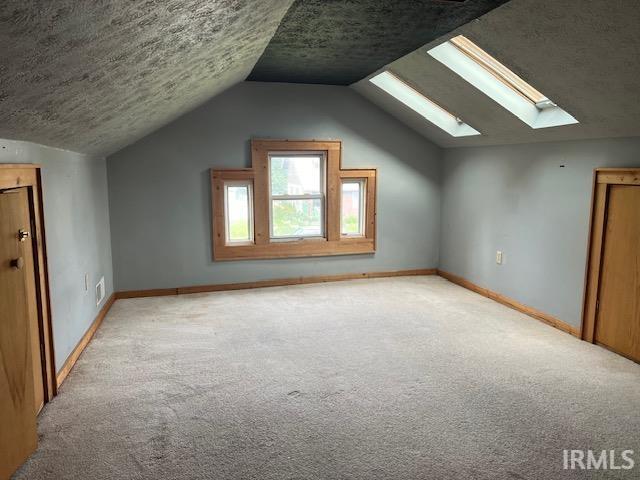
(496, 68)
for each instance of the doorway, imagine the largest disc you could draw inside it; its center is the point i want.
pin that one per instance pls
(612, 300)
(27, 370)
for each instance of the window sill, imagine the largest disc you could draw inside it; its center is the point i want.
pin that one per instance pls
(297, 248)
(290, 240)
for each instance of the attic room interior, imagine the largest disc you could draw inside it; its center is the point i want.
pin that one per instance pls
(305, 239)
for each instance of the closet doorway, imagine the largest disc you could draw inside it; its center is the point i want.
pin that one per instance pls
(612, 301)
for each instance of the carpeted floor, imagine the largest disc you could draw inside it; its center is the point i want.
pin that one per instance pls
(403, 378)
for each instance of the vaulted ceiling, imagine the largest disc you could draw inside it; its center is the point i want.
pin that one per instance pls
(338, 42)
(584, 55)
(95, 75)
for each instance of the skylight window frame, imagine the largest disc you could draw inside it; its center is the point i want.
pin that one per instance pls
(499, 70)
(542, 114)
(405, 93)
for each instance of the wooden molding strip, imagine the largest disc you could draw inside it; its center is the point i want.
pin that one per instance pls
(84, 341)
(509, 302)
(19, 165)
(155, 292)
(270, 283)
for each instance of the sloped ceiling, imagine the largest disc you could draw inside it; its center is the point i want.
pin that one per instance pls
(95, 75)
(339, 42)
(584, 55)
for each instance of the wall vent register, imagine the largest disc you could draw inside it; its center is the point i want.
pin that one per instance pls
(100, 291)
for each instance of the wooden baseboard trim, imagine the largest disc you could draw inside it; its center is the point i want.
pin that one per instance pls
(271, 283)
(84, 341)
(156, 292)
(509, 302)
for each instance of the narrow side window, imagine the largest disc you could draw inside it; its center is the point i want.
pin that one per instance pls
(238, 212)
(352, 207)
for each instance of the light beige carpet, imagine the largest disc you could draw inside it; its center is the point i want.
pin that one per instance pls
(403, 378)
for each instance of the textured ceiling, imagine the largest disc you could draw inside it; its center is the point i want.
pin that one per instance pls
(341, 41)
(584, 55)
(95, 75)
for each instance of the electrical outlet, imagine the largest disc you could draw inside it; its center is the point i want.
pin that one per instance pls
(100, 291)
(499, 257)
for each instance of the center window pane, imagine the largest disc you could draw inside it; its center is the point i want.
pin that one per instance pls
(296, 175)
(297, 218)
(297, 183)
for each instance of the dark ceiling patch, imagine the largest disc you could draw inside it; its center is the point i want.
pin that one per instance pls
(341, 41)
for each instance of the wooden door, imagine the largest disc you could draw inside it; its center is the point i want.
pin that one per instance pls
(618, 307)
(26, 246)
(18, 437)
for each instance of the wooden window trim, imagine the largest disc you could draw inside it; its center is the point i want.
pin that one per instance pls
(322, 196)
(369, 176)
(603, 178)
(420, 94)
(497, 69)
(263, 247)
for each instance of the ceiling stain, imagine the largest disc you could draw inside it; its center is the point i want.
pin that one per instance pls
(95, 75)
(339, 42)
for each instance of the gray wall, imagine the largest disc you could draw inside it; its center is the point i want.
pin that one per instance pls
(159, 188)
(78, 237)
(517, 199)
(520, 200)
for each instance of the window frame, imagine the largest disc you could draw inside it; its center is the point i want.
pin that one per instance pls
(322, 196)
(238, 183)
(506, 89)
(362, 200)
(263, 246)
(499, 70)
(405, 93)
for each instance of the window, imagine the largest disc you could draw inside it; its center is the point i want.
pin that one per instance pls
(501, 72)
(352, 207)
(294, 201)
(417, 102)
(495, 80)
(297, 185)
(238, 212)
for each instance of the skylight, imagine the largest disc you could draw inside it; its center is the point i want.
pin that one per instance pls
(499, 83)
(413, 99)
